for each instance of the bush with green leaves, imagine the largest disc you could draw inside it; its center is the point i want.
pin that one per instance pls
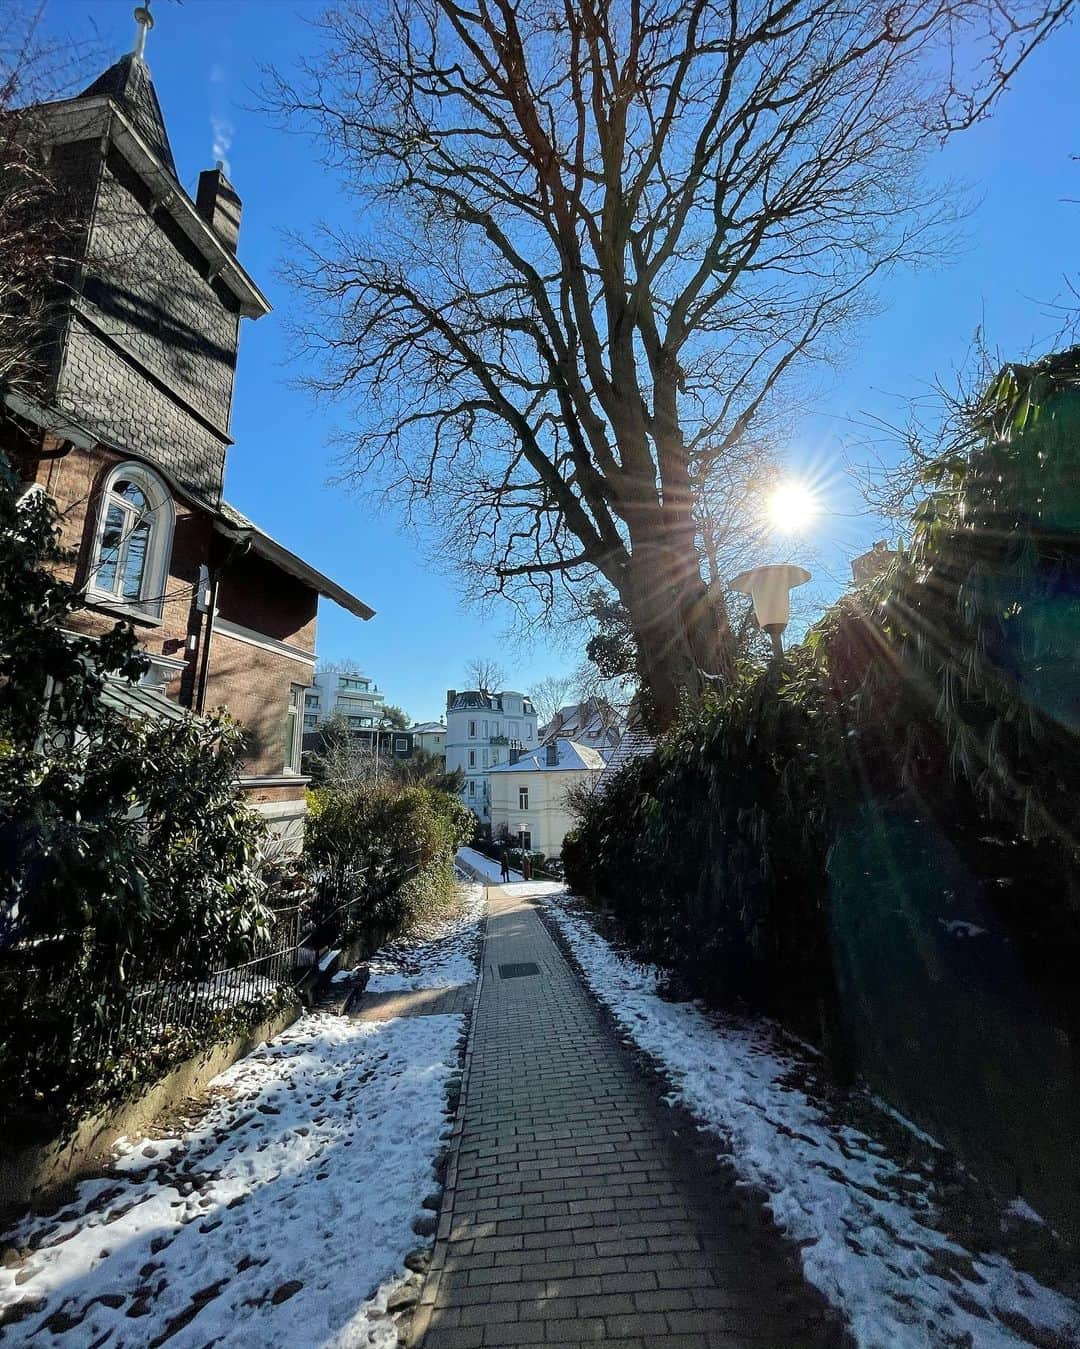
(362, 844)
(124, 844)
(948, 689)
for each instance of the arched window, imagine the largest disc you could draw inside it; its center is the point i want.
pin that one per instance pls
(130, 561)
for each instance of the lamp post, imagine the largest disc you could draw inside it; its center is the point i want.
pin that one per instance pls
(770, 588)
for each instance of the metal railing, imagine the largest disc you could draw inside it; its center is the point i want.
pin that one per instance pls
(162, 1003)
(63, 1027)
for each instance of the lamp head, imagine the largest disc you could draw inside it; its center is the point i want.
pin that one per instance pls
(770, 589)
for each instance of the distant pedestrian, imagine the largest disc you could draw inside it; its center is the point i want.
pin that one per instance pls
(504, 858)
(526, 866)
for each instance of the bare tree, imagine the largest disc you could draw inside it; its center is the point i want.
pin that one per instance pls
(555, 692)
(485, 674)
(599, 240)
(340, 759)
(339, 665)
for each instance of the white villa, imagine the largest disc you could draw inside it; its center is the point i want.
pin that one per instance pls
(481, 731)
(430, 736)
(528, 795)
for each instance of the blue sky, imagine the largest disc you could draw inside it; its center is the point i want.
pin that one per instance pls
(1020, 245)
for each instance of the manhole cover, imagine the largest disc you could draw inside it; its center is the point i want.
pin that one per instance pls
(518, 971)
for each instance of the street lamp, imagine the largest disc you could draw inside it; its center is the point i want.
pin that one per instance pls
(770, 588)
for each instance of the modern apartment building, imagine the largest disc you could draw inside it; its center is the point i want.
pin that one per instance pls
(481, 730)
(349, 692)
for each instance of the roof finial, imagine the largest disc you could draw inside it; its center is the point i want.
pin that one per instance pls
(144, 21)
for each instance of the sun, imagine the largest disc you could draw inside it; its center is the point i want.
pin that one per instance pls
(792, 507)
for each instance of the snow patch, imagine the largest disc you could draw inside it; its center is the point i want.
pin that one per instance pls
(865, 1224)
(440, 956)
(283, 1218)
(482, 865)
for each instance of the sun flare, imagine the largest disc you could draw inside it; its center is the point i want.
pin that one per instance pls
(792, 507)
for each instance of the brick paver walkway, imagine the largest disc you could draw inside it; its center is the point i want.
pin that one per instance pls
(572, 1212)
(413, 1002)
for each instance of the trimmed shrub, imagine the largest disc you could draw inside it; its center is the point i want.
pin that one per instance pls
(367, 847)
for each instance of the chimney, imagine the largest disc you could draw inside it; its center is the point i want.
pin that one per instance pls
(218, 204)
(552, 748)
(515, 752)
(451, 694)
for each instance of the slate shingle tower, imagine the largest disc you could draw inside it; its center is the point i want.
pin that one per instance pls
(147, 324)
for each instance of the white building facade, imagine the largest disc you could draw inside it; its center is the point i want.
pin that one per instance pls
(529, 797)
(349, 692)
(481, 730)
(430, 736)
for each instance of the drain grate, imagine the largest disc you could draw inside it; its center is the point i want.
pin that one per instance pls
(518, 971)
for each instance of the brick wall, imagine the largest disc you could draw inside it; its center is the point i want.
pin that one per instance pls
(74, 480)
(258, 595)
(254, 685)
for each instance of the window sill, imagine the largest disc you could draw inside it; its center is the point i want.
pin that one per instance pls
(276, 780)
(106, 604)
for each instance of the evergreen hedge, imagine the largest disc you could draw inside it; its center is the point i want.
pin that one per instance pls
(947, 691)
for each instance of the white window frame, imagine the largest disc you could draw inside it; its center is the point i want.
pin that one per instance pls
(523, 798)
(294, 728)
(472, 730)
(158, 549)
(472, 758)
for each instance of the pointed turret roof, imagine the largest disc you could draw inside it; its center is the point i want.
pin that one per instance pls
(129, 84)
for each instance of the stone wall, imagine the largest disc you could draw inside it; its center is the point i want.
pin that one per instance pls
(38, 1174)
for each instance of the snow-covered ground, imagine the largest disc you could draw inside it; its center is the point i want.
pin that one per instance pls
(442, 956)
(867, 1225)
(283, 1216)
(481, 865)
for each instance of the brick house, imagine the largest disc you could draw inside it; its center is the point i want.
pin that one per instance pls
(130, 430)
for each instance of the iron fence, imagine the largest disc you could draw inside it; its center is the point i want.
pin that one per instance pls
(64, 1031)
(160, 1004)
(54, 1008)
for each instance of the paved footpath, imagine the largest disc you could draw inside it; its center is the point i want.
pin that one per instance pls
(573, 1212)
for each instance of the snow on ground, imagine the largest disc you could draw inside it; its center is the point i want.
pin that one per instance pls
(284, 1215)
(483, 866)
(440, 956)
(533, 889)
(864, 1222)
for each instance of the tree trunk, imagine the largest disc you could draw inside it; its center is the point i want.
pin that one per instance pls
(680, 627)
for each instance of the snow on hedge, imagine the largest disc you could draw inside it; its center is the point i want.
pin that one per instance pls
(865, 1223)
